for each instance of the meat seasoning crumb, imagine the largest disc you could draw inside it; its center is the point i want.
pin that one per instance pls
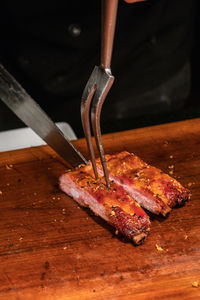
(9, 167)
(195, 284)
(159, 248)
(171, 167)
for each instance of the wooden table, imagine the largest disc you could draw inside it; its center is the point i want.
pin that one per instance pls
(50, 248)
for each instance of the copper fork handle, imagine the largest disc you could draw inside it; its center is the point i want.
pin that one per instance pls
(109, 16)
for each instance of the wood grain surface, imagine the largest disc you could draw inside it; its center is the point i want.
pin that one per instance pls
(50, 248)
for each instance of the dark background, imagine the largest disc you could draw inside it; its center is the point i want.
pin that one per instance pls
(52, 47)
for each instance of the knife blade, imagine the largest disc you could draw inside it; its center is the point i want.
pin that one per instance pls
(29, 111)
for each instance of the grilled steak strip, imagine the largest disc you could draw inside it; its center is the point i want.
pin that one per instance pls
(149, 186)
(115, 206)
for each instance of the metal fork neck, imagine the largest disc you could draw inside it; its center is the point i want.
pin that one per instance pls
(109, 15)
(106, 70)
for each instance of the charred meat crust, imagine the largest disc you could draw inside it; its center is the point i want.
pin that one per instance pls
(134, 228)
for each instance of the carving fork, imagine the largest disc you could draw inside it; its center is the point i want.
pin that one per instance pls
(99, 85)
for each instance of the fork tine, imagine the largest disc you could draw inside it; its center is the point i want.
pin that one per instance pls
(86, 100)
(104, 83)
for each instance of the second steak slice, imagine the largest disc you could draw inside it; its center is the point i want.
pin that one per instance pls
(149, 186)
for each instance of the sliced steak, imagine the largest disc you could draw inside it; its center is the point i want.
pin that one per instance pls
(115, 206)
(149, 186)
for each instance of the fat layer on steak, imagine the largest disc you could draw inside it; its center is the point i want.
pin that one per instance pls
(114, 205)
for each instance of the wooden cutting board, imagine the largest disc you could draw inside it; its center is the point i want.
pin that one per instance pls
(50, 248)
